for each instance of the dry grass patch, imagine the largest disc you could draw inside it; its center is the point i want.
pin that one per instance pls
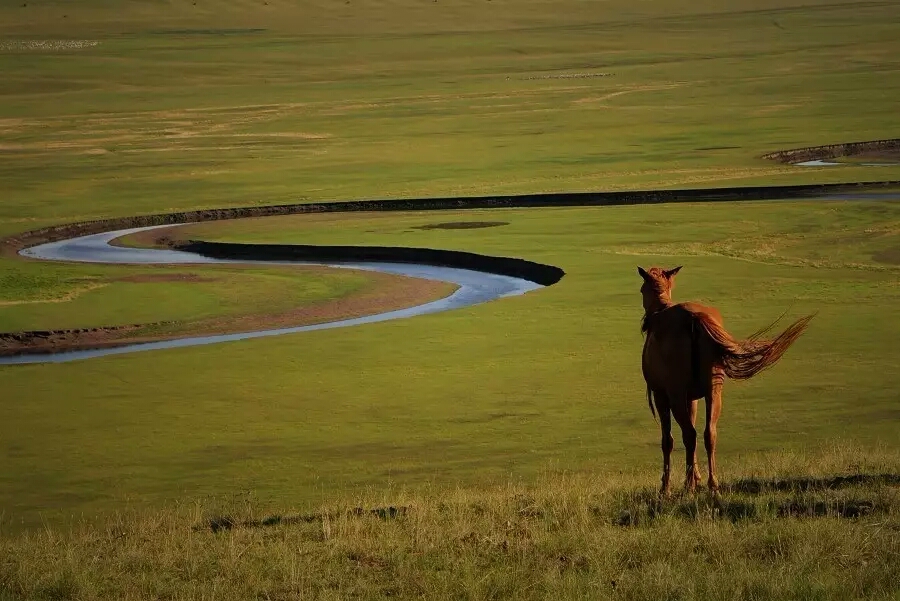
(45, 45)
(197, 130)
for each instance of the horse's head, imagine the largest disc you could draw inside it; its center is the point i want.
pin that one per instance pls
(657, 288)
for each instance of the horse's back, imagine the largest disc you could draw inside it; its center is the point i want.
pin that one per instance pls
(695, 308)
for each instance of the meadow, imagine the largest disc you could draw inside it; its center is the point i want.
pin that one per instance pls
(516, 433)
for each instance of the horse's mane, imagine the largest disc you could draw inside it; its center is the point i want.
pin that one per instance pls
(647, 322)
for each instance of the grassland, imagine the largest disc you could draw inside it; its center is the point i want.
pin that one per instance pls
(181, 105)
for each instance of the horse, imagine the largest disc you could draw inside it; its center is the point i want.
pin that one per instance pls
(687, 354)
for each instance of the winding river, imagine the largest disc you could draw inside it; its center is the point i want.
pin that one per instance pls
(475, 287)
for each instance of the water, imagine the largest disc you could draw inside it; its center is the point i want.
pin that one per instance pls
(821, 163)
(817, 163)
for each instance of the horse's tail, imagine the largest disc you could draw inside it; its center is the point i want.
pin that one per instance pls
(650, 402)
(743, 359)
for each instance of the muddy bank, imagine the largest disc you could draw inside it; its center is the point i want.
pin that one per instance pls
(833, 151)
(49, 341)
(11, 245)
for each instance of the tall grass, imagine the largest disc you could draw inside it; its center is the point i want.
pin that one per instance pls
(822, 525)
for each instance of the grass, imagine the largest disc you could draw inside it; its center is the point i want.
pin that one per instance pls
(835, 234)
(785, 526)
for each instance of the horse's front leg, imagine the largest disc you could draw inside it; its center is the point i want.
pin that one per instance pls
(668, 443)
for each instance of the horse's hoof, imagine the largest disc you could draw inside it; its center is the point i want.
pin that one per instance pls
(691, 481)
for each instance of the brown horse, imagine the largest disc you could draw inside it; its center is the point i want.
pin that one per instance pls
(687, 354)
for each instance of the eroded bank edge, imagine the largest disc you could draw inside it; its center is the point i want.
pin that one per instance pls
(831, 151)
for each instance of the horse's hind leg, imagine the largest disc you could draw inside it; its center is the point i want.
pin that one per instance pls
(668, 443)
(710, 435)
(685, 413)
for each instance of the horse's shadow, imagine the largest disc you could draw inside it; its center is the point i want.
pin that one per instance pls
(755, 486)
(229, 522)
(754, 498)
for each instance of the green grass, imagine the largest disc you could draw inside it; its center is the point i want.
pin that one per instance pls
(785, 527)
(46, 297)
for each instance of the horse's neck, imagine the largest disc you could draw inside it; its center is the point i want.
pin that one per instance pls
(651, 314)
(659, 304)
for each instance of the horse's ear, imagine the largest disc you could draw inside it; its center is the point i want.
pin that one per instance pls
(671, 273)
(643, 273)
